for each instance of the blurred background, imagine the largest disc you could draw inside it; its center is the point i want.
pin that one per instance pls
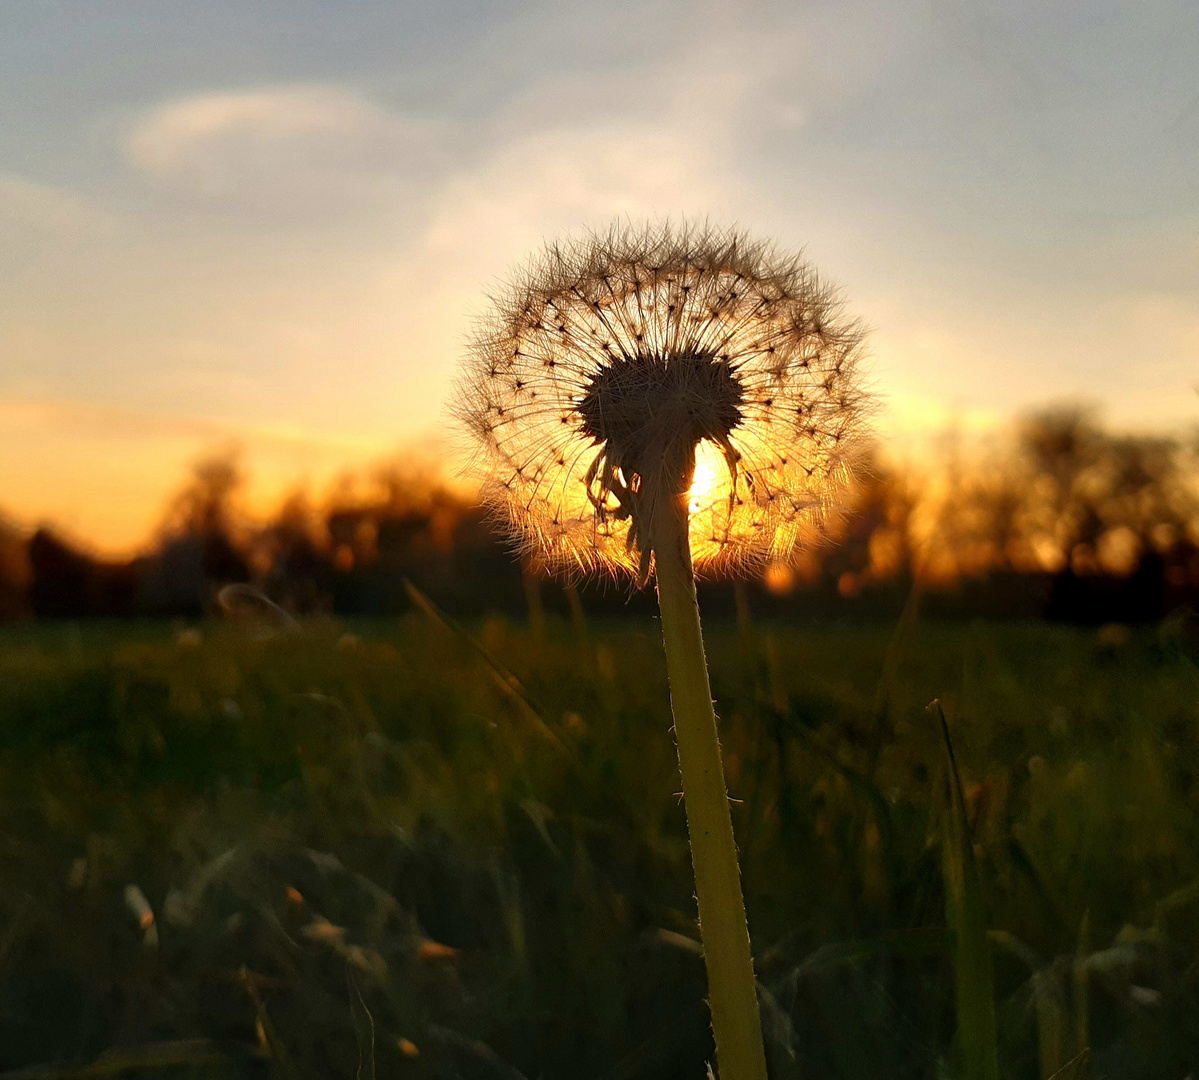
(304, 775)
(1057, 517)
(266, 226)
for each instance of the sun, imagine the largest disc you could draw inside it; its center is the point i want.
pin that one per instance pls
(711, 482)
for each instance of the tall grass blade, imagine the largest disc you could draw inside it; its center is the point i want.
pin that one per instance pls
(241, 601)
(1077, 1068)
(578, 624)
(364, 1028)
(281, 1065)
(508, 683)
(775, 683)
(532, 587)
(975, 990)
(748, 638)
(1053, 1026)
(896, 647)
(1082, 1024)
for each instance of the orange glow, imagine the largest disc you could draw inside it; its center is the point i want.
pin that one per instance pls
(434, 952)
(780, 578)
(102, 475)
(711, 482)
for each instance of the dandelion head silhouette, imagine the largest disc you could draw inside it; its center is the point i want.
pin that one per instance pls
(642, 364)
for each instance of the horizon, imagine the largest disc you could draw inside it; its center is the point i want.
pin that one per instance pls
(124, 519)
(974, 447)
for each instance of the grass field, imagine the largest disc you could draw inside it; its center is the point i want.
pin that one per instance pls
(376, 849)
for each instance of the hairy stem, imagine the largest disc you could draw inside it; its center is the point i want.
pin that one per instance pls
(732, 995)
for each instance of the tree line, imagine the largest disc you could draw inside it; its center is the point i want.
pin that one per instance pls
(1060, 519)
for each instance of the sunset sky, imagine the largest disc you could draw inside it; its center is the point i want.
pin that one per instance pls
(266, 223)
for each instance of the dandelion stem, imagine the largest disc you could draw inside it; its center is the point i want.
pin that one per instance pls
(732, 993)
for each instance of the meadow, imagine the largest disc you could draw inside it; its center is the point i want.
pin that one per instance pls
(407, 848)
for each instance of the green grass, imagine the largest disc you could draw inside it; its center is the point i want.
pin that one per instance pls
(307, 811)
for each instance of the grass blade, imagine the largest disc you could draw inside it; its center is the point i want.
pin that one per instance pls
(1074, 1069)
(897, 645)
(268, 1037)
(975, 990)
(364, 1028)
(1082, 1026)
(508, 683)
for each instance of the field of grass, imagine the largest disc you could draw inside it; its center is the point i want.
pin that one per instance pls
(378, 849)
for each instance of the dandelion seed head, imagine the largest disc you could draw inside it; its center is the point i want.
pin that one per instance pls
(656, 362)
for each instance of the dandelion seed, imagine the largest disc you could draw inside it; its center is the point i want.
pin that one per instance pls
(408, 1048)
(139, 906)
(367, 960)
(433, 952)
(322, 930)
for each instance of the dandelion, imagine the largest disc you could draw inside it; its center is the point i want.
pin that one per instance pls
(664, 400)
(617, 373)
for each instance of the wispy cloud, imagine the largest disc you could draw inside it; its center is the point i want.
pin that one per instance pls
(563, 179)
(308, 149)
(667, 139)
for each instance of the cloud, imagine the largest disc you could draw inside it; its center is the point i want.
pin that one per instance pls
(316, 150)
(530, 187)
(581, 151)
(560, 179)
(630, 141)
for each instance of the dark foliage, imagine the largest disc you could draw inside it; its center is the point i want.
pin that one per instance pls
(1068, 523)
(247, 852)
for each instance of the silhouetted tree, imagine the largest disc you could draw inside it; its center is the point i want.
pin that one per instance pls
(299, 572)
(15, 572)
(1061, 519)
(198, 553)
(68, 583)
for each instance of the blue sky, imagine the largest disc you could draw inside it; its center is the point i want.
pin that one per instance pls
(268, 223)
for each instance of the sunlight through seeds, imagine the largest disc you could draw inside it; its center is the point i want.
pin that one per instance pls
(605, 359)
